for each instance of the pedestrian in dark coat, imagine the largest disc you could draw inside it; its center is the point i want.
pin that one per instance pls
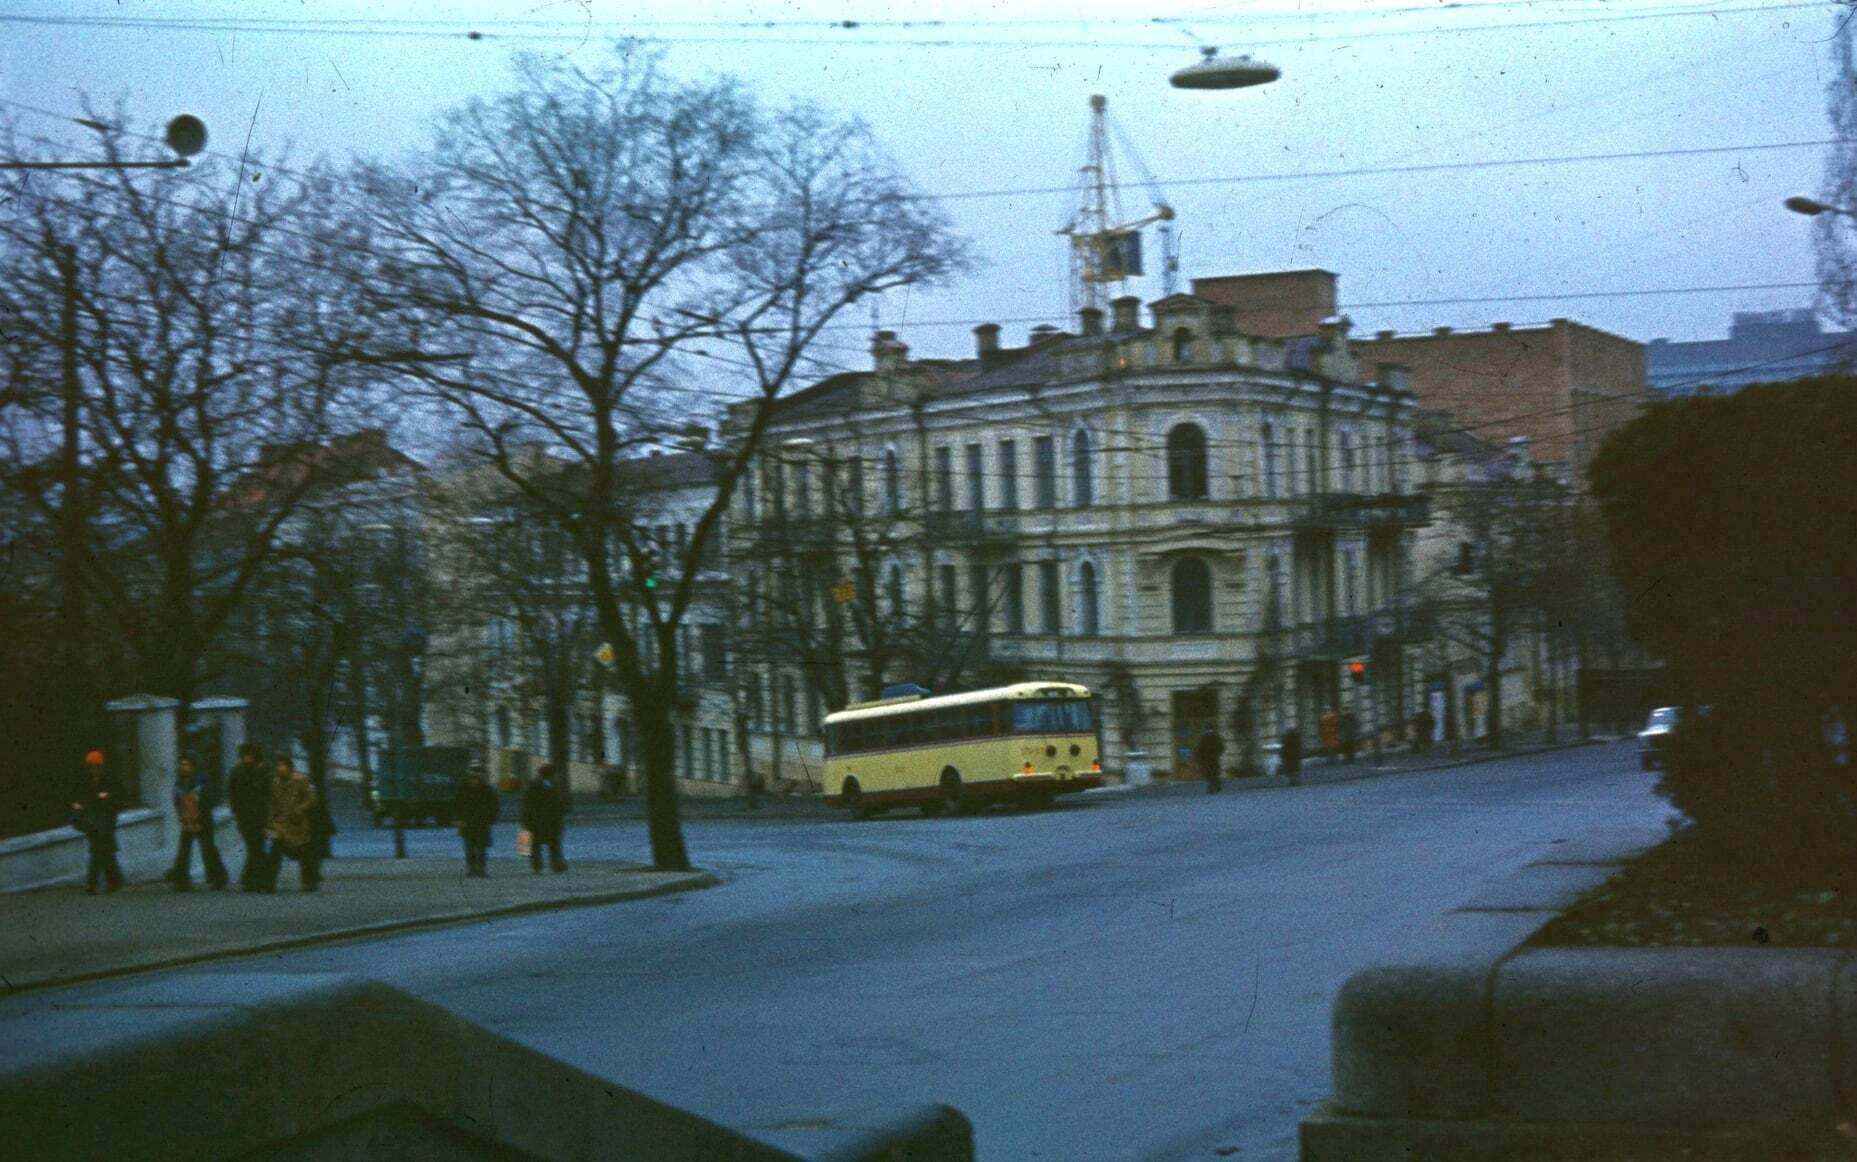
(477, 810)
(195, 796)
(1424, 725)
(1206, 755)
(1350, 735)
(1291, 755)
(544, 816)
(96, 797)
(249, 791)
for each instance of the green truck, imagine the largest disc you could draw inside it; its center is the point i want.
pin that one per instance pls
(418, 783)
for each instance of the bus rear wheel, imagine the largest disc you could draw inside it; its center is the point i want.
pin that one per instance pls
(852, 796)
(952, 796)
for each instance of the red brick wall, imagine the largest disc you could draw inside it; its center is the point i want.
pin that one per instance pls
(1275, 305)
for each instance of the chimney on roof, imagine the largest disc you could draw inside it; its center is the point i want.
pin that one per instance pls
(887, 352)
(1091, 320)
(1125, 313)
(1499, 328)
(1441, 330)
(1042, 332)
(1334, 330)
(1393, 376)
(986, 340)
(1386, 334)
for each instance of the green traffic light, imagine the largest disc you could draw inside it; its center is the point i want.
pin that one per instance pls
(651, 582)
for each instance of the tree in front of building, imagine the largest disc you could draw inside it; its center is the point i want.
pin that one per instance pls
(596, 259)
(1730, 525)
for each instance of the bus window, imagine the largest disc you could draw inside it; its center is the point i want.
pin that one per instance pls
(1071, 716)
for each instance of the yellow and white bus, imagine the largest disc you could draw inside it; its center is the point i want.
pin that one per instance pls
(1030, 742)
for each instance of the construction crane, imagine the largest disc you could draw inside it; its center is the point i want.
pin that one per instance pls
(1105, 246)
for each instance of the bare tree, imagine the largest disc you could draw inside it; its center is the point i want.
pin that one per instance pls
(1505, 578)
(166, 364)
(571, 260)
(1835, 234)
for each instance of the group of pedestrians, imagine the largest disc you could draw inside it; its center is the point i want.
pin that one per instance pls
(275, 812)
(544, 818)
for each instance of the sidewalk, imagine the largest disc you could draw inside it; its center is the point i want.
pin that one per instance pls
(62, 936)
(1318, 771)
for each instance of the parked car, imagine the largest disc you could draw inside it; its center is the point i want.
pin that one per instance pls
(1660, 728)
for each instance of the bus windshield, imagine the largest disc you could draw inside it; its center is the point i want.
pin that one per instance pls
(1070, 716)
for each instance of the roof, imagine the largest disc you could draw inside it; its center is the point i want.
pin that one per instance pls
(677, 470)
(1018, 690)
(1442, 432)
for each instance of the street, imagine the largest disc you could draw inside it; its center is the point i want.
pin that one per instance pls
(1127, 976)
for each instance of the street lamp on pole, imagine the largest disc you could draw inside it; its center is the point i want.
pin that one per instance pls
(186, 136)
(1812, 207)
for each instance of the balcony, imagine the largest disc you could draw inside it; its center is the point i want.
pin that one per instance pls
(1351, 510)
(975, 529)
(1407, 626)
(1333, 638)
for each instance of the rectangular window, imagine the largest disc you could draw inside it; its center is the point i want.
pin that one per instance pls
(689, 752)
(1044, 472)
(976, 479)
(854, 485)
(715, 655)
(1015, 598)
(722, 755)
(980, 614)
(802, 489)
(949, 597)
(813, 716)
(1048, 598)
(1008, 475)
(709, 753)
(944, 479)
(787, 705)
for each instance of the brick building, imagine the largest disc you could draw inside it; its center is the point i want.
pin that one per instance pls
(1561, 385)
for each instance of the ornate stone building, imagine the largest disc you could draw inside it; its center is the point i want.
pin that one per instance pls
(1210, 528)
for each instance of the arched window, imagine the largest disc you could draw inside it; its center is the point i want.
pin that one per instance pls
(1346, 442)
(1089, 610)
(1311, 463)
(1082, 472)
(1186, 463)
(1183, 345)
(892, 483)
(1192, 593)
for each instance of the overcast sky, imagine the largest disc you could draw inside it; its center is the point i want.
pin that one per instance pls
(1364, 86)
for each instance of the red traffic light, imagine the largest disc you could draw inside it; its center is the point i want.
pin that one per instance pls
(1357, 671)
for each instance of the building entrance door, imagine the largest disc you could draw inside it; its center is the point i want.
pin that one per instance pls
(1194, 713)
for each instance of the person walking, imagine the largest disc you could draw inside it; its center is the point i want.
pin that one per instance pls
(290, 822)
(1350, 735)
(1424, 725)
(477, 810)
(249, 792)
(1291, 756)
(1328, 732)
(195, 796)
(1206, 754)
(544, 816)
(96, 797)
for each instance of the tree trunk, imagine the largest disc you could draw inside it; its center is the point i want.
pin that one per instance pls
(657, 745)
(358, 688)
(1492, 697)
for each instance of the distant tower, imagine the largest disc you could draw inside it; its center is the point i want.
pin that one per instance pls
(1105, 248)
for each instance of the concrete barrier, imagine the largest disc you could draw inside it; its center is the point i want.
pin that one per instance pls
(145, 840)
(1482, 1048)
(327, 1068)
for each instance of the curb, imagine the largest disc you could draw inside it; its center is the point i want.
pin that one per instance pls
(693, 881)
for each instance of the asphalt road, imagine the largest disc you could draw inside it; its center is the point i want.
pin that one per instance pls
(1127, 976)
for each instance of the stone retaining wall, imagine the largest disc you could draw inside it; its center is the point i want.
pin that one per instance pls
(145, 841)
(1481, 1048)
(328, 1068)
